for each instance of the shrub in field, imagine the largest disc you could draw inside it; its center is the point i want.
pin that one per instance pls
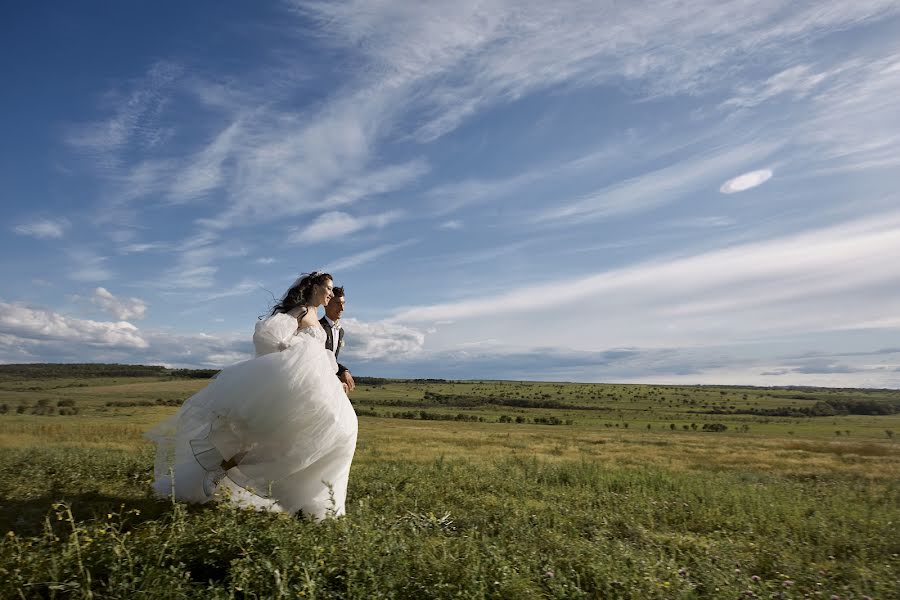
(714, 427)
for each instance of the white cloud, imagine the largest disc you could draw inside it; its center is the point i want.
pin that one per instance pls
(379, 340)
(463, 59)
(853, 123)
(360, 258)
(658, 187)
(333, 225)
(746, 181)
(28, 333)
(240, 289)
(812, 281)
(44, 228)
(797, 81)
(40, 326)
(453, 225)
(203, 172)
(121, 308)
(378, 181)
(144, 247)
(195, 260)
(134, 120)
(88, 266)
(421, 70)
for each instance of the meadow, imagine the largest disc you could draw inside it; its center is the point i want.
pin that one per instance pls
(476, 489)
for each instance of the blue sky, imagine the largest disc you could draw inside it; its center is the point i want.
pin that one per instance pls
(587, 191)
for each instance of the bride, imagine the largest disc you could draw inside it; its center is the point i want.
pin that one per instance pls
(276, 432)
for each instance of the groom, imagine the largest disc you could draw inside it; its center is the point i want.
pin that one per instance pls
(335, 334)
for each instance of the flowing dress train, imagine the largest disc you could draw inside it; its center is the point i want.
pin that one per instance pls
(283, 414)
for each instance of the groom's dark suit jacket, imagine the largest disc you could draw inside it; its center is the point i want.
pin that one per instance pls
(329, 343)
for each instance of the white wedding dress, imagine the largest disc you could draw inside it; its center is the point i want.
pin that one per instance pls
(284, 414)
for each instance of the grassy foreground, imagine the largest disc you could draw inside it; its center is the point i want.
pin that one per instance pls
(463, 509)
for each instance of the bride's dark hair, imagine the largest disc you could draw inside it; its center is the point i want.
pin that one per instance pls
(299, 293)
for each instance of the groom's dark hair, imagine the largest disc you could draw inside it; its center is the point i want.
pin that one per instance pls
(338, 292)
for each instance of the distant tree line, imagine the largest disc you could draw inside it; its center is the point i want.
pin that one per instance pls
(192, 373)
(362, 380)
(87, 370)
(424, 415)
(823, 408)
(470, 401)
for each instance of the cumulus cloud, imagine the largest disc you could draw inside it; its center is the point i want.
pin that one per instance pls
(380, 340)
(31, 325)
(43, 228)
(33, 334)
(746, 181)
(121, 308)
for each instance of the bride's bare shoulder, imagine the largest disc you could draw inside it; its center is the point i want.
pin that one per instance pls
(310, 319)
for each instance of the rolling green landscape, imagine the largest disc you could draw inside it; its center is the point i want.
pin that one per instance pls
(472, 489)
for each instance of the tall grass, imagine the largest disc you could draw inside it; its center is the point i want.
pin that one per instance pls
(511, 527)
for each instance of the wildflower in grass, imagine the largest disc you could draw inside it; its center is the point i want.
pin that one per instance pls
(787, 583)
(754, 578)
(549, 574)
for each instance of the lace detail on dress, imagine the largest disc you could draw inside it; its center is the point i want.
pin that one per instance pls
(314, 331)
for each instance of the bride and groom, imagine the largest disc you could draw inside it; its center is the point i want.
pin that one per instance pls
(276, 432)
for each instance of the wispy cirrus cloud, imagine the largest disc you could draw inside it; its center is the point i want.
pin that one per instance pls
(196, 261)
(464, 59)
(352, 261)
(44, 228)
(660, 186)
(134, 119)
(797, 81)
(88, 266)
(745, 291)
(334, 224)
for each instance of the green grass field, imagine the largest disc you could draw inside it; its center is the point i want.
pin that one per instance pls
(465, 490)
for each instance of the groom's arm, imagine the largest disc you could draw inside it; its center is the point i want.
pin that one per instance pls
(346, 378)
